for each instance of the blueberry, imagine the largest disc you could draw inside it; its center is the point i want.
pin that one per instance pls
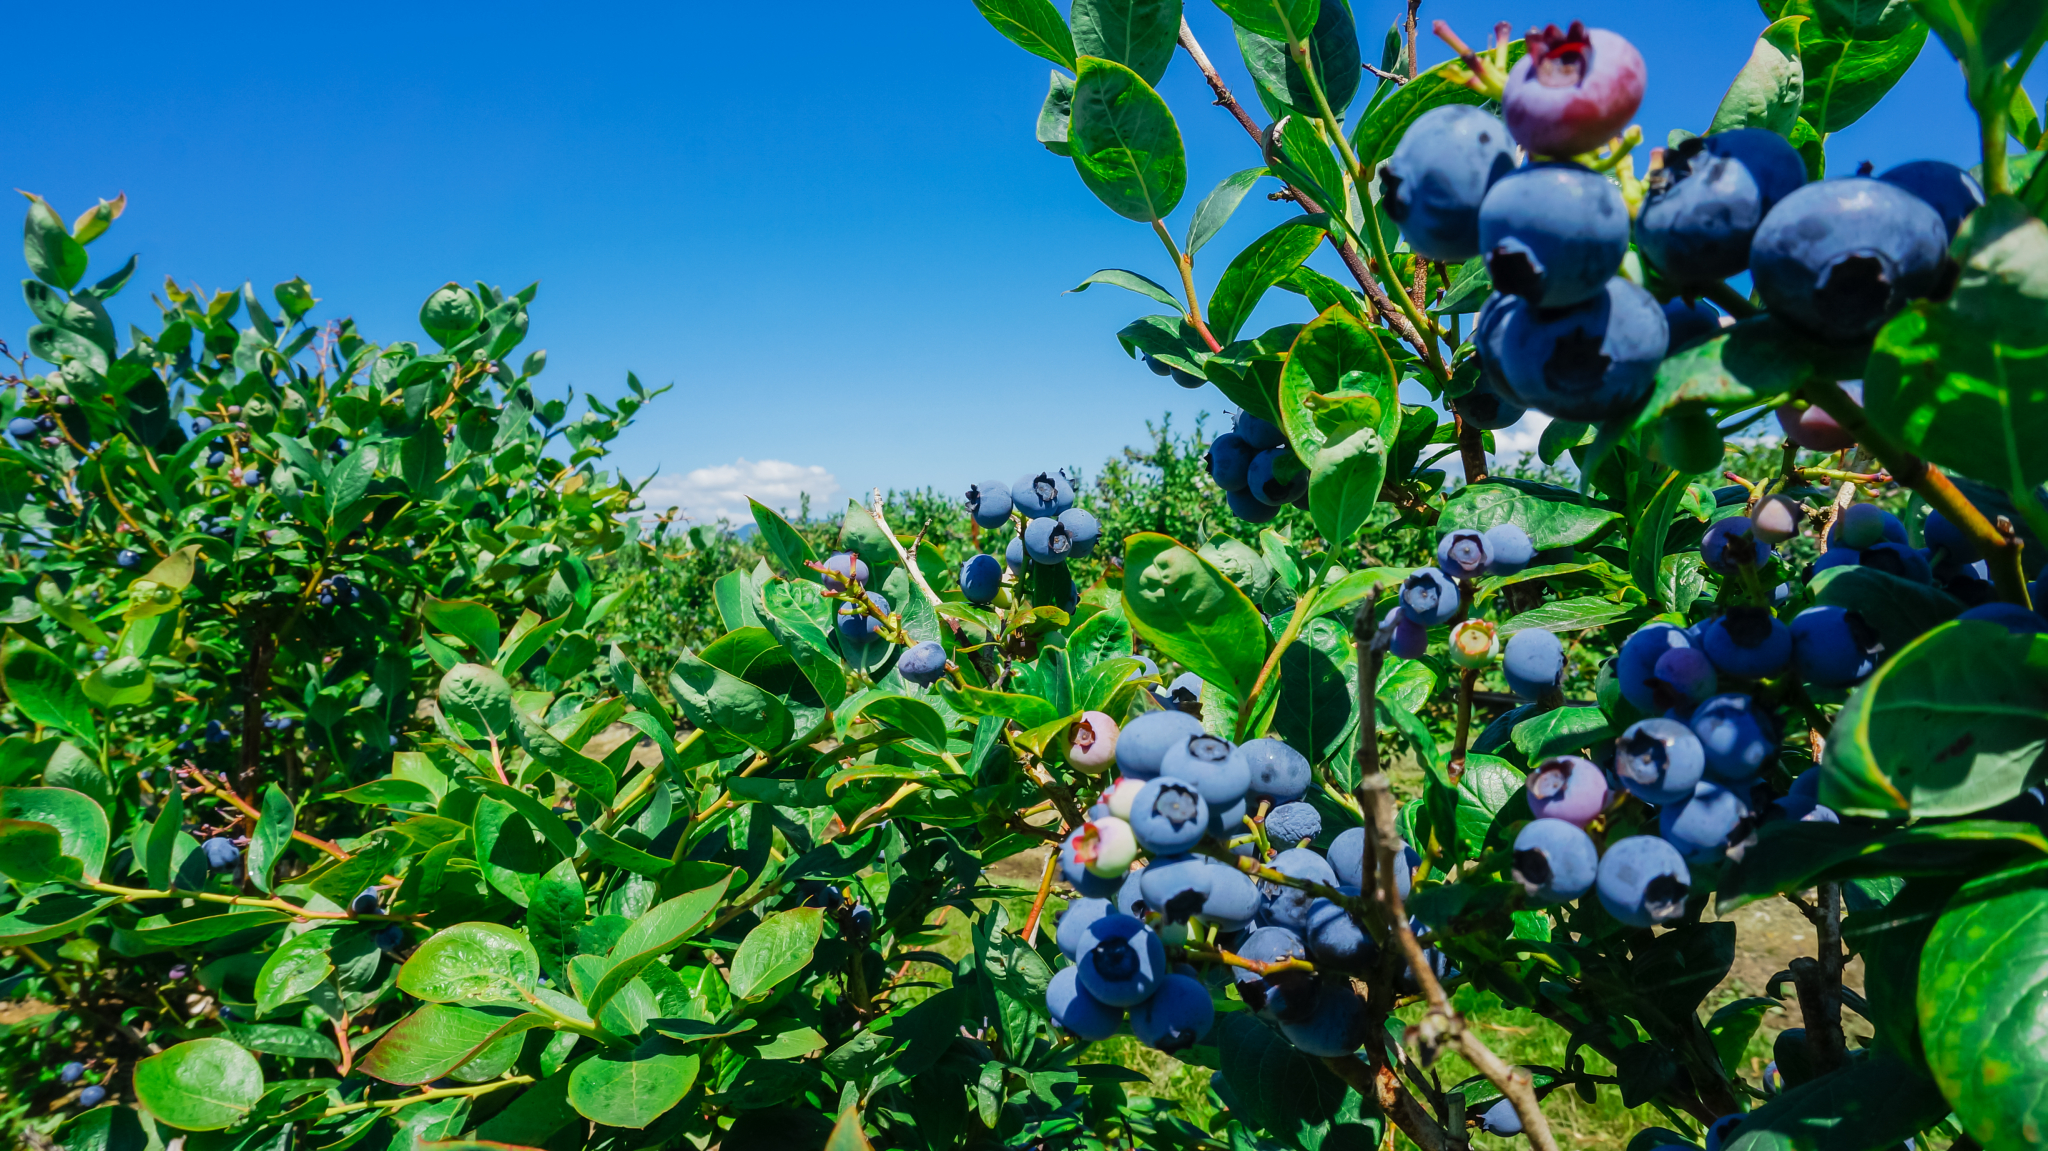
(1501, 1119)
(1659, 760)
(1176, 886)
(1105, 846)
(1899, 560)
(989, 504)
(1643, 881)
(1291, 823)
(1433, 183)
(1940, 533)
(127, 558)
(1336, 939)
(1334, 1024)
(1708, 199)
(1777, 519)
(1567, 787)
(1801, 809)
(1463, 554)
(1091, 741)
(92, 1096)
(1738, 737)
(220, 854)
(1347, 859)
(23, 428)
(858, 626)
(1833, 647)
(1145, 740)
(1176, 1017)
(365, 902)
(1169, 816)
(1690, 323)
(1047, 541)
(390, 939)
(844, 572)
(1748, 642)
(1510, 548)
(216, 459)
(1574, 91)
(1260, 434)
(1773, 1082)
(1474, 644)
(981, 577)
(46, 424)
(250, 478)
(1591, 362)
(1635, 668)
(1159, 368)
(1185, 379)
(1813, 429)
(1840, 257)
(1043, 495)
(1430, 598)
(1282, 994)
(1082, 530)
(1706, 824)
(1533, 662)
(1288, 906)
(1078, 1012)
(1411, 639)
(1553, 234)
(1731, 544)
(2010, 616)
(1863, 526)
(1075, 921)
(1488, 329)
(1950, 191)
(924, 664)
(1488, 408)
(1806, 784)
(71, 1072)
(1234, 899)
(1250, 508)
(1276, 477)
(1186, 689)
(1230, 457)
(1555, 861)
(1122, 961)
(1212, 765)
(1075, 871)
(1722, 1131)
(1278, 772)
(1013, 555)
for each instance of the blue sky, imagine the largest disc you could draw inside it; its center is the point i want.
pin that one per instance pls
(827, 224)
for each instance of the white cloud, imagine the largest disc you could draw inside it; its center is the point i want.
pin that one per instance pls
(1510, 443)
(706, 495)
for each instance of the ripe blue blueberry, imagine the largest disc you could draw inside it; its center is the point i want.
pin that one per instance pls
(1230, 458)
(858, 626)
(1463, 554)
(1833, 647)
(1690, 323)
(981, 577)
(1411, 639)
(1940, 533)
(1501, 1119)
(1533, 662)
(1185, 379)
(1748, 642)
(1145, 740)
(1276, 477)
(1840, 257)
(1643, 881)
(1288, 906)
(1290, 823)
(1212, 765)
(1013, 555)
(127, 558)
(1590, 362)
(1176, 886)
(1635, 668)
(1075, 921)
(1262, 435)
(1176, 1017)
(1433, 183)
(71, 1072)
(1078, 1012)
(1185, 690)
(1731, 544)
(1429, 597)
(1659, 760)
(1706, 824)
(1801, 809)
(1553, 234)
(924, 664)
(1278, 772)
(1122, 961)
(220, 853)
(1159, 368)
(1169, 816)
(1571, 788)
(92, 1096)
(1950, 191)
(1575, 90)
(23, 428)
(365, 902)
(1510, 547)
(1335, 1023)
(1336, 939)
(1281, 994)
(1738, 737)
(1043, 494)
(216, 459)
(1707, 200)
(844, 571)
(1234, 898)
(989, 503)
(1250, 508)
(1082, 531)
(1488, 407)
(1897, 559)
(389, 939)
(1047, 541)
(2010, 616)
(1488, 329)
(1683, 678)
(1723, 1130)
(1555, 861)
(250, 478)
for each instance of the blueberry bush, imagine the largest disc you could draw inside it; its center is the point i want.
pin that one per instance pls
(334, 812)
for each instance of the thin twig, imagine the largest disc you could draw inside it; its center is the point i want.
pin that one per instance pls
(910, 567)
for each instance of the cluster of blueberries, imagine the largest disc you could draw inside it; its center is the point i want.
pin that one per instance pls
(40, 429)
(338, 589)
(1258, 472)
(1564, 332)
(92, 1094)
(1432, 597)
(1055, 531)
(1143, 885)
(845, 574)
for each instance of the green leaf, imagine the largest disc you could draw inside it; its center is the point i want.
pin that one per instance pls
(468, 620)
(1795, 856)
(440, 1037)
(722, 702)
(1139, 34)
(204, 929)
(791, 554)
(299, 964)
(802, 637)
(80, 823)
(1769, 90)
(1980, 976)
(554, 755)
(472, 962)
(1217, 207)
(1898, 609)
(1033, 25)
(554, 914)
(1056, 114)
(1275, 19)
(201, 1085)
(387, 791)
(1318, 696)
(52, 254)
(1554, 517)
(1336, 381)
(1754, 362)
(1126, 145)
(42, 686)
(652, 936)
(450, 314)
(1383, 127)
(1647, 537)
(774, 951)
(1561, 731)
(279, 1039)
(914, 716)
(1028, 710)
(1731, 1027)
(1989, 30)
(51, 917)
(539, 815)
(1281, 1086)
(1845, 77)
(1264, 262)
(1954, 723)
(32, 853)
(1333, 50)
(636, 1088)
(1184, 607)
(1132, 281)
(1965, 383)
(1576, 614)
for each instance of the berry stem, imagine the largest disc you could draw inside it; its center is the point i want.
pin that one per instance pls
(1052, 868)
(428, 1096)
(1184, 263)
